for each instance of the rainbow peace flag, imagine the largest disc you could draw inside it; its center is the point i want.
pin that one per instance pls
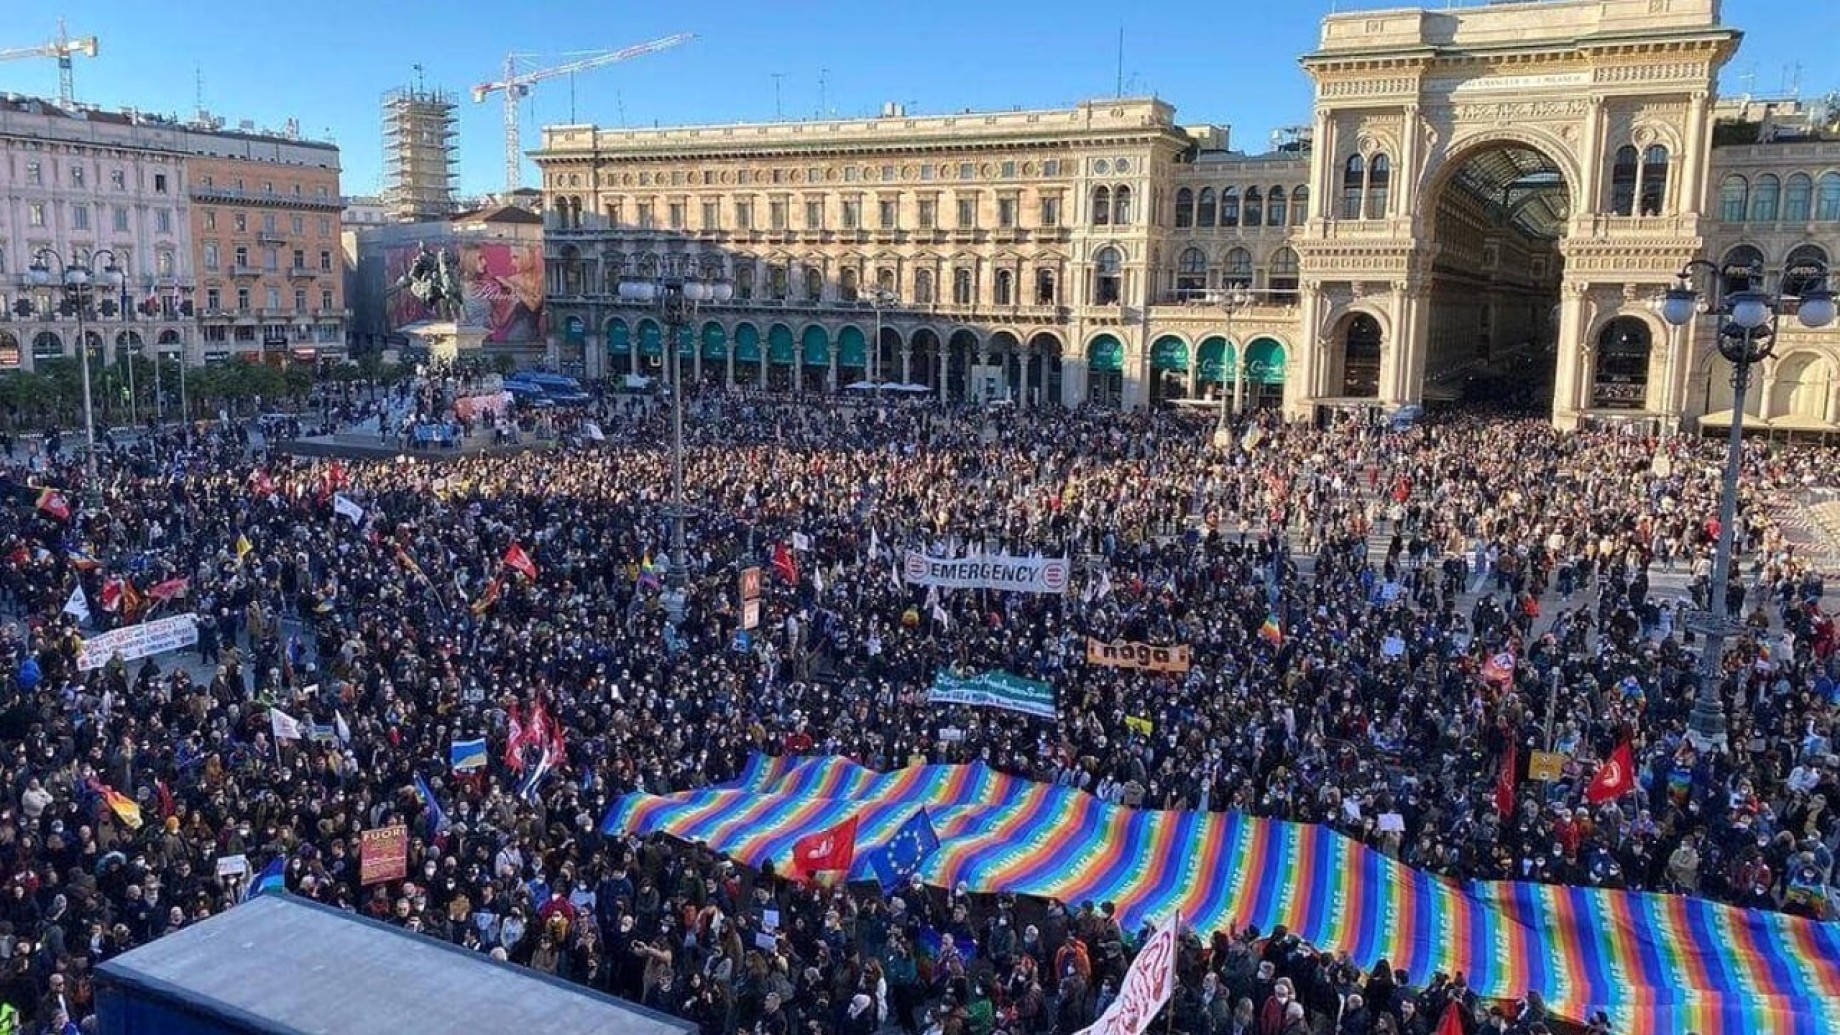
(1659, 964)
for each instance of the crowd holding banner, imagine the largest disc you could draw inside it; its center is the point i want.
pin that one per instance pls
(1384, 628)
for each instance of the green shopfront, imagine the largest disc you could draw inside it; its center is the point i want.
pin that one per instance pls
(1105, 371)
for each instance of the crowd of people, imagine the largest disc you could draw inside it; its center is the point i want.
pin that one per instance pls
(372, 601)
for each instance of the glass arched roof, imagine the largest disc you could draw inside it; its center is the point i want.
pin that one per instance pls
(1518, 185)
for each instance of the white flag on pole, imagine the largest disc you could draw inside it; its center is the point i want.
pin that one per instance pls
(78, 604)
(801, 542)
(592, 429)
(283, 725)
(1146, 987)
(345, 506)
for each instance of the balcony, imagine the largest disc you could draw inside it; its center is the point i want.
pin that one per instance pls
(232, 196)
(270, 237)
(301, 273)
(243, 269)
(332, 314)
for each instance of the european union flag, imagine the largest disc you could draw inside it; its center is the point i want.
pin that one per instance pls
(901, 857)
(437, 819)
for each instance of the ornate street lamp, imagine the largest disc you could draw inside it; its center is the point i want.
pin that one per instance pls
(79, 283)
(676, 299)
(1748, 321)
(1230, 302)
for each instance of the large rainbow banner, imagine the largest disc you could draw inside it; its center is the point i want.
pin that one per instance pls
(1659, 964)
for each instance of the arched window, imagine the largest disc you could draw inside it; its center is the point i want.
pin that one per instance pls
(1283, 277)
(962, 287)
(648, 265)
(1802, 269)
(1108, 277)
(1300, 205)
(1204, 208)
(1229, 206)
(1740, 270)
(1254, 212)
(1621, 377)
(1191, 272)
(1101, 206)
(1006, 287)
(814, 284)
(846, 285)
(1185, 208)
(46, 345)
(1623, 174)
(1379, 179)
(1796, 197)
(1765, 194)
(1734, 198)
(1121, 206)
(1275, 212)
(1654, 179)
(884, 280)
(744, 280)
(1354, 182)
(777, 282)
(1827, 198)
(923, 287)
(1044, 286)
(1238, 271)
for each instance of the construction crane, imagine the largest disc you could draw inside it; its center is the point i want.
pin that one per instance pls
(63, 48)
(516, 86)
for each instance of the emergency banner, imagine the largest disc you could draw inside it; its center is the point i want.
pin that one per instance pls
(134, 642)
(1131, 654)
(988, 571)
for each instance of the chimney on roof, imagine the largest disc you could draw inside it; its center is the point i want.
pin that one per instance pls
(894, 110)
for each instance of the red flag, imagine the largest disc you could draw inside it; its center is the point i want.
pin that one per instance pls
(1498, 668)
(260, 483)
(20, 556)
(110, 597)
(1615, 778)
(488, 598)
(784, 565)
(1504, 784)
(53, 503)
(833, 849)
(131, 600)
(519, 561)
(514, 739)
(169, 589)
(1451, 1022)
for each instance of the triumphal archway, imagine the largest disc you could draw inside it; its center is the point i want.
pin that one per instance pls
(1504, 192)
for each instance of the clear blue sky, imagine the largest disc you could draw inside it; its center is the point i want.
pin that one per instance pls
(1231, 61)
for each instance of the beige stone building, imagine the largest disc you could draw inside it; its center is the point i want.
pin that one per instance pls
(1486, 200)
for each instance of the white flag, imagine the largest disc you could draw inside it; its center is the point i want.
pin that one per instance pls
(875, 545)
(344, 506)
(592, 429)
(817, 580)
(284, 726)
(1146, 987)
(340, 729)
(894, 573)
(78, 604)
(801, 542)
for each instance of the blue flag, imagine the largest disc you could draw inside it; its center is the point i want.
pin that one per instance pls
(901, 857)
(467, 754)
(270, 878)
(437, 819)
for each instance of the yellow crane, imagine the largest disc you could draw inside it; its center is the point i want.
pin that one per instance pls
(516, 86)
(63, 48)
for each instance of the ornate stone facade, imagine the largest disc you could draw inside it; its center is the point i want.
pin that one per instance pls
(1478, 185)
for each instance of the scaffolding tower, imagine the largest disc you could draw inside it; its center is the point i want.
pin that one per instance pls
(421, 169)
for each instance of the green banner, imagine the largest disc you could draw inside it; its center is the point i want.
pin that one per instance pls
(994, 690)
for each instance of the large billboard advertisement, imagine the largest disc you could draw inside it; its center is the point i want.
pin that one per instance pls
(501, 283)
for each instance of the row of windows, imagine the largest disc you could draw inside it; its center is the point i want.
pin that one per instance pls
(164, 262)
(38, 173)
(268, 187)
(849, 213)
(270, 223)
(1768, 199)
(1275, 207)
(212, 256)
(214, 299)
(776, 282)
(1365, 186)
(324, 334)
(38, 213)
(1192, 267)
(1007, 169)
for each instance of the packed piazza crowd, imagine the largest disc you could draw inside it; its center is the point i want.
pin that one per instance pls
(374, 606)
